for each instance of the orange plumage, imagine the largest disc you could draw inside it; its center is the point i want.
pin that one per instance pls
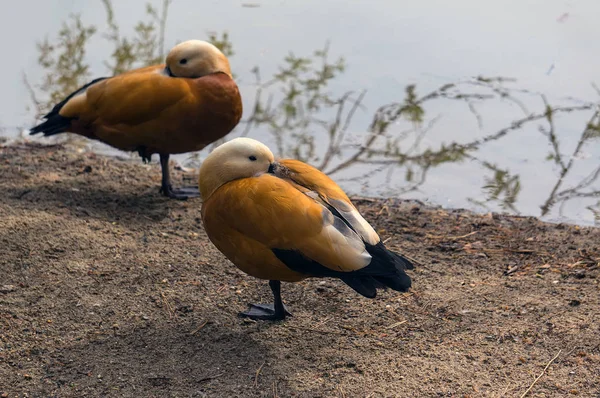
(286, 221)
(181, 106)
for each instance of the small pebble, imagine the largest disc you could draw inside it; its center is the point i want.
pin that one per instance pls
(7, 288)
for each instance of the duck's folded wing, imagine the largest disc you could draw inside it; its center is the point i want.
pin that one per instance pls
(131, 98)
(306, 236)
(319, 186)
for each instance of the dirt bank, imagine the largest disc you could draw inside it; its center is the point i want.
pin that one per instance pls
(108, 289)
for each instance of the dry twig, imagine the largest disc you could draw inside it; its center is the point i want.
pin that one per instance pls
(396, 324)
(451, 237)
(541, 374)
(257, 374)
(167, 304)
(198, 328)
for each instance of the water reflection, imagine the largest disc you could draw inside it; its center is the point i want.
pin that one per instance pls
(297, 112)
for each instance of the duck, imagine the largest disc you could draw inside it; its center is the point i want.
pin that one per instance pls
(180, 106)
(285, 221)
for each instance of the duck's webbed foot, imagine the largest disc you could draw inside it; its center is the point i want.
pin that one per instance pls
(265, 312)
(182, 193)
(167, 190)
(268, 312)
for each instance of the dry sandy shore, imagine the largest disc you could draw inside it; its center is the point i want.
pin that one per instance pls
(108, 289)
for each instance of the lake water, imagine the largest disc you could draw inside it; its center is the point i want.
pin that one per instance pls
(545, 165)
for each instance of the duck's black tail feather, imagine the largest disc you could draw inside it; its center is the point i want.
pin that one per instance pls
(54, 124)
(387, 269)
(367, 282)
(364, 285)
(402, 260)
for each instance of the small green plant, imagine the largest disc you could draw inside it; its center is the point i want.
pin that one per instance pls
(145, 48)
(63, 58)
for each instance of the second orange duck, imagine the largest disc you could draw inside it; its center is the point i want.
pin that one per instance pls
(285, 221)
(177, 107)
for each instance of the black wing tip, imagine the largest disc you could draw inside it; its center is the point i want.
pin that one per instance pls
(383, 272)
(406, 263)
(39, 128)
(380, 251)
(388, 268)
(363, 285)
(399, 282)
(54, 112)
(367, 286)
(54, 124)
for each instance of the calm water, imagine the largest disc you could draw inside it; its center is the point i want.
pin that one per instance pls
(548, 46)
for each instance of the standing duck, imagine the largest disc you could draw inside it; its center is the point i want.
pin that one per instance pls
(181, 106)
(286, 221)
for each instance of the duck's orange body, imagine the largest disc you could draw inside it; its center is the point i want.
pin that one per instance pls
(247, 218)
(286, 221)
(181, 106)
(247, 241)
(163, 114)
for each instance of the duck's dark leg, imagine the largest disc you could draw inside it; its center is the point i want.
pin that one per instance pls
(166, 188)
(269, 312)
(146, 157)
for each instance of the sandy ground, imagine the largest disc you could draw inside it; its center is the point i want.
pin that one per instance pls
(108, 289)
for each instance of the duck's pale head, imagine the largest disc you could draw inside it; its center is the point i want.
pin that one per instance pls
(239, 158)
(196, 58)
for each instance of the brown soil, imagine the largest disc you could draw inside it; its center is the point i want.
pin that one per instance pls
(108, 289)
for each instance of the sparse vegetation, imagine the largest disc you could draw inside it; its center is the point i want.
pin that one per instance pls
(109, 289)
(307, 121)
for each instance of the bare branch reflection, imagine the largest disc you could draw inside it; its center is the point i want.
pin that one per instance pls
(297, 108)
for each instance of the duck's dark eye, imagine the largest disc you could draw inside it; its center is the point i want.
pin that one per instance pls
(252, 158)
(183, 61)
